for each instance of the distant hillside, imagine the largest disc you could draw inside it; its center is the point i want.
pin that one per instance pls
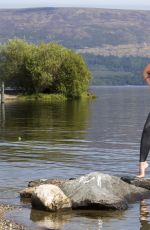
(110, 70)
(120, 31)
(112, 34)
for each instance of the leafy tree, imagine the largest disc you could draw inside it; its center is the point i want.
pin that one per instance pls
(13, 58)
(71, 73)
(43, 68)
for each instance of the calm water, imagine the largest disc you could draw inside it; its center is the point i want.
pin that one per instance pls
(68, 140)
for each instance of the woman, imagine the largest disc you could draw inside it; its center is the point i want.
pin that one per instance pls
(145, 139)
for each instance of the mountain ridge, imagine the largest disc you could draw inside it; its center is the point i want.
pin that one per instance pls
(77, 28)
(114, 43)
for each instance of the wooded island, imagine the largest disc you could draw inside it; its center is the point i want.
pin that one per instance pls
(46, 68)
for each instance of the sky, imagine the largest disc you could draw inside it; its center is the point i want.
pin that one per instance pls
(117, 4)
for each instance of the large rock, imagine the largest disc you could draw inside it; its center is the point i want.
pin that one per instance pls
(101, 191)
(50, 198)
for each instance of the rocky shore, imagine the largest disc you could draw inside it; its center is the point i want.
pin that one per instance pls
(91, 191)
(95, 191)
(8, 224)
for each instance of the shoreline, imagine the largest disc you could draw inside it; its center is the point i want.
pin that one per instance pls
(52, 98)
(9, 97)
(9, 224)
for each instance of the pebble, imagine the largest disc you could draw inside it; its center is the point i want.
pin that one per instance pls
(8, 224)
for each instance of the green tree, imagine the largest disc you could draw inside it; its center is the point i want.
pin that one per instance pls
(44, 65)
(49, 68)
(74, 76)
(13, 58)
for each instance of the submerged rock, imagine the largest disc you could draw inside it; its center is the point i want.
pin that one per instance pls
(50, 198)
(139, 182)
(36, 183)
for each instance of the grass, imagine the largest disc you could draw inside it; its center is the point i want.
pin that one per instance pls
(52, 97)
(88, 96)
(43, 97)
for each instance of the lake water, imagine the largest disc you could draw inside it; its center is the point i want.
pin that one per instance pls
(41, 140)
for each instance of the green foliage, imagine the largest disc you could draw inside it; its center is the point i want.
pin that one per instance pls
(70, 75)
(14, 56)
(43, 68)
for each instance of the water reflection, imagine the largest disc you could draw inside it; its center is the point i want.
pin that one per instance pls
(86, 219)
(2, 118)
(45, 121)
(73, 138)
(50, 220)
(144, 215)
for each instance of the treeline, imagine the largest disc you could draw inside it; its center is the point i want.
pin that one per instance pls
(111, 70)
(43, 68)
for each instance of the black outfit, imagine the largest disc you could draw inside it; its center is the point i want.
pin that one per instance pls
(145, 140)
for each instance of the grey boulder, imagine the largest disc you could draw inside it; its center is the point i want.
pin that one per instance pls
(101, 191)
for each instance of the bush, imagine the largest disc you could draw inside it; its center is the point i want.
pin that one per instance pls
(43, 68)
